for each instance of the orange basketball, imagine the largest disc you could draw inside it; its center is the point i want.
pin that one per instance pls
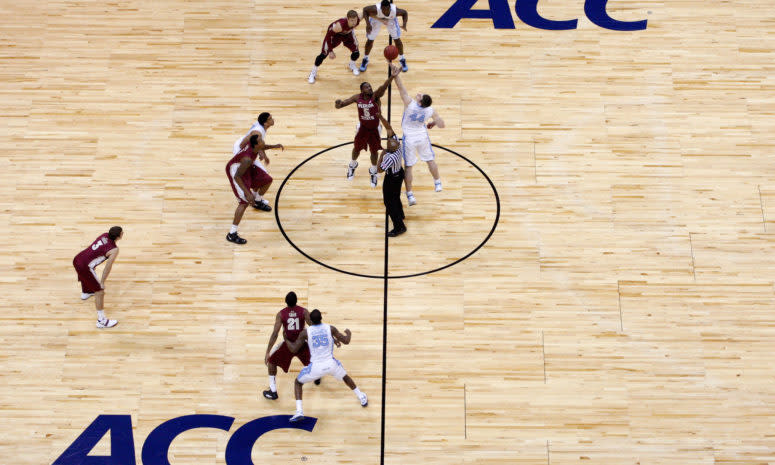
(391, 52)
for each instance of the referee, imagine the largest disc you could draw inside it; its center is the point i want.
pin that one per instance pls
(390, 162)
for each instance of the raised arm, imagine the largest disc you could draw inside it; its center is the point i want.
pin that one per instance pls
(296, 345)
(379, 170)
(343, 338)
(343, 103)
(394, 70)
(388, 127)
(278, 323)
(404, 15)
(402, 90)
(108, 265)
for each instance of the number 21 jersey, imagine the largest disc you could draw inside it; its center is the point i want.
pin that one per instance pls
(293, 322)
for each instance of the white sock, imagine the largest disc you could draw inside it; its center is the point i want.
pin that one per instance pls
(409, 194)
(437, 181)
(366, 57)
(400, 57)
(272, 384)
(373, 169)
(101, 315)
(233, 229)
(353, 163)
(357, 392)
(298, 407)
(314, 69)
(352, 63)
(258, 196)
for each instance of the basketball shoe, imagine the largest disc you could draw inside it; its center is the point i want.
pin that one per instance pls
(351, 171)
(106, 323)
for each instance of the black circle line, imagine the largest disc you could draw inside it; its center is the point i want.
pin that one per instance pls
(361, 275)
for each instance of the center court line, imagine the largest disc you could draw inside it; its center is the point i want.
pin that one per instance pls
(385, 305)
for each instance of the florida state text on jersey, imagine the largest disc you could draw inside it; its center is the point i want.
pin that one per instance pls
(368, 112)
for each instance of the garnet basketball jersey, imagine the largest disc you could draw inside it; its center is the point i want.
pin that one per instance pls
(293, 322)
(414, 120)
(236, 159)
(381, 16)
(368, 112)
(96, 253)
(320, 342)
(346, 29)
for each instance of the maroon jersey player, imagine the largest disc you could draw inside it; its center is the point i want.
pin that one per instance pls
(367, 135)
(245, 179)
(292, 320)
(341, 31)
(103, 249)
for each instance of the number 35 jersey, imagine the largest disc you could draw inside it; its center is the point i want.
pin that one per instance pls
(320, 342)
(414, 120)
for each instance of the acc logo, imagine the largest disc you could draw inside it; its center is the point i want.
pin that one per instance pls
(527, 11)
(157, 444)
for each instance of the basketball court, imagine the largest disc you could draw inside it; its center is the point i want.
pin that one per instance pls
(594, 284)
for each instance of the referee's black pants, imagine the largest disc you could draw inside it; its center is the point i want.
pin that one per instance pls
(391, 194)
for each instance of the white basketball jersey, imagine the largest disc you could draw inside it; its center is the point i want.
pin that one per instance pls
(415, 118)
(382, 17)
(320, 342)
(256, 127)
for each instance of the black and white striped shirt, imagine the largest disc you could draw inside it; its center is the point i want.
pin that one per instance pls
(392, 161)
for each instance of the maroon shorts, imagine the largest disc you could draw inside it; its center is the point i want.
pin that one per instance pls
(253, 180)
(283, 356)
(368, 137)
(259, 177)
(333, 40)
(89, 282)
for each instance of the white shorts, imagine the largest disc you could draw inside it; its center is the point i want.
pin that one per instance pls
(417, 145)
(392, 26)
(317, 370)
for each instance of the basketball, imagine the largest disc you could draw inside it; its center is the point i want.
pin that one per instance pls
(391, 52)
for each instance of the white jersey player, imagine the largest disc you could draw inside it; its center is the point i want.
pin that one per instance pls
(384, 13)
(264, 122)
(321, 339)
(418, 117)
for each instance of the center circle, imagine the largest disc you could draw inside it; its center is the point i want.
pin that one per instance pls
(371, 276)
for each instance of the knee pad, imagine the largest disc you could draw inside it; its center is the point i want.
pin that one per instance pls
(354, 55)
(320, 59)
